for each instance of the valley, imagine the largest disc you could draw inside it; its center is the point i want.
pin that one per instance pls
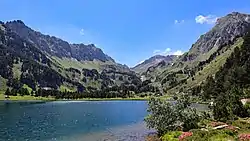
(161, 91)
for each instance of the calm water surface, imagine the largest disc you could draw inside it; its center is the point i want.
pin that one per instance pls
(74, 121)
(22, 121)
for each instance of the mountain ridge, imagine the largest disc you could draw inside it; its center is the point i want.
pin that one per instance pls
(34, 57)
(56, 46)
(24, 64)
(226, 30)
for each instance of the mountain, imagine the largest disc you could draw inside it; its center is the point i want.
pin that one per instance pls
(37, 62)
(226, 30)
(153, 61)
(30, 59)
(206, 56)
(233, 78)
(57, 47)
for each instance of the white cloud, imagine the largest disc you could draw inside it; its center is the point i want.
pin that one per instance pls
(82, 32)
(156, 51)
(164, 52)
(179, 22)
(178, 52)
(167, 51)
(209, 19)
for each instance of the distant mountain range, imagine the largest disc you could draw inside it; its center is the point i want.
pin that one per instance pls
(34, 60)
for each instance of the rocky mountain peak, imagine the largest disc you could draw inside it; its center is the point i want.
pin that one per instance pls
(16, 22)
(233, 18)
(226, 30)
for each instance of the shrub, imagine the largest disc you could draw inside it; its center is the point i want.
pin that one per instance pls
(170, 116)
(171, 136)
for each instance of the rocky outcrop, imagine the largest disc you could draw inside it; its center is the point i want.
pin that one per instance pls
(226, 30)
(88, 52)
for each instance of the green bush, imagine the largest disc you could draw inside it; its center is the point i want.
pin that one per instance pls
(171, 136)
(171, 116)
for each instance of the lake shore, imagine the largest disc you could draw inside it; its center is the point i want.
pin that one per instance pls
(33, 98)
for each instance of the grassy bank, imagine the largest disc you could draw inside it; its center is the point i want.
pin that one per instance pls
(114, 99)
(21, 98)
(27, 97)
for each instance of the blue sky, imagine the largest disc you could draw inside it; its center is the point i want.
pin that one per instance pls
(129, 31)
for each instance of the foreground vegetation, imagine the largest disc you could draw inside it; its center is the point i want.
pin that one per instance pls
(178, 121)
(235, 130)
(228, 118)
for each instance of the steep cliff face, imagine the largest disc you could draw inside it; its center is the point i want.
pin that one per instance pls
(226, 30)
(88, 52)
(58, 47)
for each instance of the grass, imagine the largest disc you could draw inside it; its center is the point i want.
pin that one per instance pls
(73, 63)
(114, 99)
(67, 88)
(26, 97)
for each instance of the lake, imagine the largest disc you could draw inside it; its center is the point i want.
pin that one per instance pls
(73, 120)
